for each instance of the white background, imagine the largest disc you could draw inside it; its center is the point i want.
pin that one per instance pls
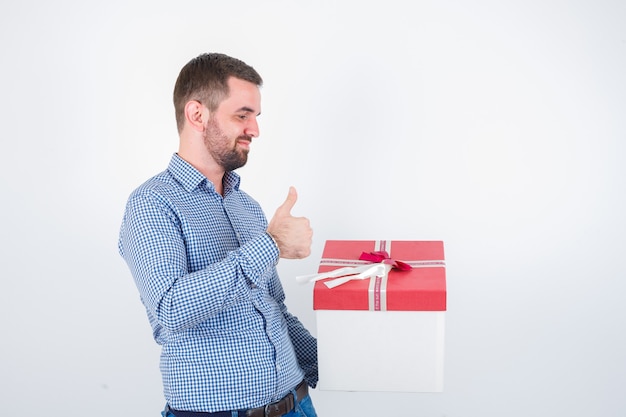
(497, 127)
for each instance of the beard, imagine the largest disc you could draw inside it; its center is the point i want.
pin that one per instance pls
(230, 157)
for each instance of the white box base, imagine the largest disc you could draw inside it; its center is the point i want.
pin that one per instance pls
(397, 351)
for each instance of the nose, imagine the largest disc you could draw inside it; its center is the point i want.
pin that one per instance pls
(252, 128)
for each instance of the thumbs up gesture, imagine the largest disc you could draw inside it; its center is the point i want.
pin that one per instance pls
(293, 235)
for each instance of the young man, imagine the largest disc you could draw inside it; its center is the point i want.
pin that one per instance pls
(203, 257)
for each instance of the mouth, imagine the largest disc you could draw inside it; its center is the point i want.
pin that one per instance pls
(244, 142)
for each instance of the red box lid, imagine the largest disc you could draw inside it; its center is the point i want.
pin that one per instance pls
(423, 288)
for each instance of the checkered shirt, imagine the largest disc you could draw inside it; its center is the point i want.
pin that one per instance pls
(205, 269)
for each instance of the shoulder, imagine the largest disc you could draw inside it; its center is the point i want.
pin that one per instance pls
(160, 190)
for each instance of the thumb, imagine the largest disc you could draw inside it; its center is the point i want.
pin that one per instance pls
(286, 207)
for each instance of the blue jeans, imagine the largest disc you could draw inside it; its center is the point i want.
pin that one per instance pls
(304, 408)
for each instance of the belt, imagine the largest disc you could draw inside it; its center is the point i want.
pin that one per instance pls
(275, 409)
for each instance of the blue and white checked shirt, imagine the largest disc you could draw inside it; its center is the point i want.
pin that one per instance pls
(205, 269)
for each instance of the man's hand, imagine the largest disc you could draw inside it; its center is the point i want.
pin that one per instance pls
(293, 235)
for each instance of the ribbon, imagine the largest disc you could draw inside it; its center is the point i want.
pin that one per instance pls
(383, 256)
(377, 264)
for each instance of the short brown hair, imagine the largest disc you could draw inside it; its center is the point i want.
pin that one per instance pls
(205, 79)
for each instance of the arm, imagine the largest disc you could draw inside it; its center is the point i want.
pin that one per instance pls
(293, 237)
(305, 346)
(153, 245)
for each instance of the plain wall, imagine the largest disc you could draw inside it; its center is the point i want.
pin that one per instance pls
(497, 127)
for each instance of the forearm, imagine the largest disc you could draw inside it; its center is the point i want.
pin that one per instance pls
(186, 299)
(177, 294)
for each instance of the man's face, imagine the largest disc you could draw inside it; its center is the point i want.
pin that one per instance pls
(230, 129)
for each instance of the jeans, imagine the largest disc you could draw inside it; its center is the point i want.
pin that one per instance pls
(304, 408)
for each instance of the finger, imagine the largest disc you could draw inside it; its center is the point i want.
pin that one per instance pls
(286, 207)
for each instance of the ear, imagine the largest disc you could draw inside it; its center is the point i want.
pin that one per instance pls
(196, 115)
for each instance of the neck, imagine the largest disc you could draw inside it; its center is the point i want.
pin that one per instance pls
(203, 162)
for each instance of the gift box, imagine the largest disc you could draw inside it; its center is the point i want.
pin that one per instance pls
(380, 309)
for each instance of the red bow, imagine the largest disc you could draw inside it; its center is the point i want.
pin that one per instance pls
(383, 256)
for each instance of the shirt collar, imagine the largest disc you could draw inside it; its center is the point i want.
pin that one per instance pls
(190, 178)
(231, 182)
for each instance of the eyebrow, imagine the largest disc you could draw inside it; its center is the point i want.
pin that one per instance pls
(248, 110)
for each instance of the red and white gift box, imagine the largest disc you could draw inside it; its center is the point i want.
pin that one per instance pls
(380, 325)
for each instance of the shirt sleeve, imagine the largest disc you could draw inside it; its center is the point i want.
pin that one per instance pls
(305, 346)
(152, 244)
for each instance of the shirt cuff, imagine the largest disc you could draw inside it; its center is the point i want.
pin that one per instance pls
(275, 244)
(275, 252)
(259, 256)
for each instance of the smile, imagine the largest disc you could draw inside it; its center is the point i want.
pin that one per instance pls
(244, 143)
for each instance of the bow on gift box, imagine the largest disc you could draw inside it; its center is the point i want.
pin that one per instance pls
(383, 256)
(380, 266)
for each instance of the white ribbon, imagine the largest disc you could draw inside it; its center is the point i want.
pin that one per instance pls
(343, 275)
(378, 274)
